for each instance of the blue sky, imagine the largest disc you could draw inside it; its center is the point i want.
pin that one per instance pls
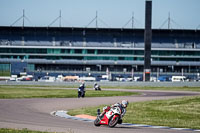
(115, 13)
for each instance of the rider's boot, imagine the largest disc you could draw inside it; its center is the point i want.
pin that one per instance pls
(120, 121)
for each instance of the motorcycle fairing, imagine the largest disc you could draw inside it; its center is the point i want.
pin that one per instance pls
(105, 120)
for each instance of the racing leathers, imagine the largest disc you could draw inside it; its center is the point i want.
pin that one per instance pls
(107, 108)
(81, 91)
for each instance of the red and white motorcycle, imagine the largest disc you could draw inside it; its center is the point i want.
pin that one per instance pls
(110, 118)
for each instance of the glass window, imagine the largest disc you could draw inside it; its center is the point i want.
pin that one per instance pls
(53, 51)
(78, 51)
(91, 51)
(114, 51)
(65, 51)
(16, 50)
(139, 52)
(103, 51)
(31, 67)
(129, 52)
(129, 58)
(5, 67)
(121, 58)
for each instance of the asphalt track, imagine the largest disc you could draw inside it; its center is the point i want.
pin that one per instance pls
(34, 114)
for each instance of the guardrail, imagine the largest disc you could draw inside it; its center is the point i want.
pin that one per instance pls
(114, 84)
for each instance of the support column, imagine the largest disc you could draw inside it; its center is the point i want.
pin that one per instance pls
(147, 40)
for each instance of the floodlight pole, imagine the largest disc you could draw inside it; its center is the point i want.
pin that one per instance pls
(23, 18)
(60, 19)
(169, 20)
(96, 19)
(132, 20)
(147, 40)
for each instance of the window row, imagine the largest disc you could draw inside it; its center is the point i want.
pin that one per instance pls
(113, 58)
(97, 51)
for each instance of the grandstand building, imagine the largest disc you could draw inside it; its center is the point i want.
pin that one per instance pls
(59, 49)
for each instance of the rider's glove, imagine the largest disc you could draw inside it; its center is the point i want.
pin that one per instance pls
(106, 108)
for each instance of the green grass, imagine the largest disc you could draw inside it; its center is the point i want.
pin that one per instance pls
(180, 113)
(44, 92)
(185, 88)
(4, 130)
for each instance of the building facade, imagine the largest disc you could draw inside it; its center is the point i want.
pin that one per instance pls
(56, 49)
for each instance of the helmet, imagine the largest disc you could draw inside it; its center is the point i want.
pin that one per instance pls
(124, 103)
(83, 83)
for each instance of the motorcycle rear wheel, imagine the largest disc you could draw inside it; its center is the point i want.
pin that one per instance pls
(113, 122)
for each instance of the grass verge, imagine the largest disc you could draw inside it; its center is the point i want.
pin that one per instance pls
(185, 88)
(180, 113)
(5, 130)
(7, 92)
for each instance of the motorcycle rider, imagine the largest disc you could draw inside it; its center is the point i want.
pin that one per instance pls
(96, 86)
(122, 106)
(81, 90)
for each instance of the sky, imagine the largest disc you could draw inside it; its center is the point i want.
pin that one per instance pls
(184, 14)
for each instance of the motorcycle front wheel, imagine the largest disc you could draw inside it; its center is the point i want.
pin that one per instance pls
(113, 121)
(97, 122)
(79, 94)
